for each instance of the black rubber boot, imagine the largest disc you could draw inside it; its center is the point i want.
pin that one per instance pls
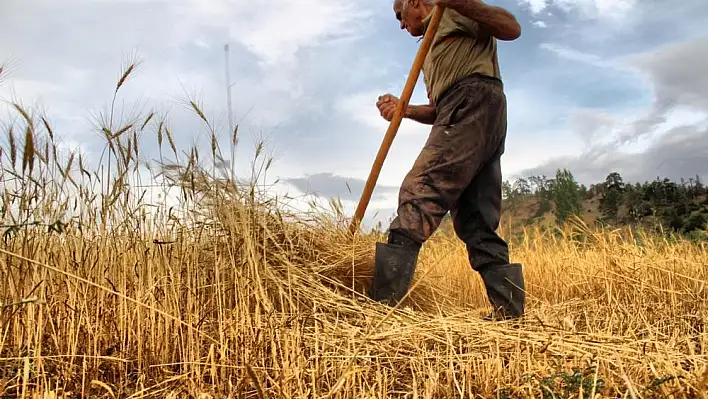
(505, 290)
(394, 269)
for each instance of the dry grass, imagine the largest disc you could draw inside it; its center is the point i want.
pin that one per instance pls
(237, 297)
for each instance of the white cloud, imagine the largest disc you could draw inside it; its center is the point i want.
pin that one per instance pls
(675, 153)
(575, 55)
(594, 9)
(593, 126)
(611, 9)
(275, 30)
(536, 6)
(181, 44)
(666, 138)
(677, 71)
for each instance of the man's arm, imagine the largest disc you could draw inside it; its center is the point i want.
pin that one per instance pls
(499, 22)
(424, 114)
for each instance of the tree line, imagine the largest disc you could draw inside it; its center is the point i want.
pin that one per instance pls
(679, 206)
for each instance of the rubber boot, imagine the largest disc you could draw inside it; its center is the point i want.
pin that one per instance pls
(394, 269)
(505, 290)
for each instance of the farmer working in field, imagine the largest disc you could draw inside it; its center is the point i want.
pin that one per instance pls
(458, 169)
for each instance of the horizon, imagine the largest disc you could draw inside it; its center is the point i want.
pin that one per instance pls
(614, 92)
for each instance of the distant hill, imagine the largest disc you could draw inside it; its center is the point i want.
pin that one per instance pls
(679, 207)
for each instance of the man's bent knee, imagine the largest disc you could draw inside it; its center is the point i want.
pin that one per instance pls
(422, 206)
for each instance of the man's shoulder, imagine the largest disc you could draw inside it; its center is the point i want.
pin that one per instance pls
(453, 21)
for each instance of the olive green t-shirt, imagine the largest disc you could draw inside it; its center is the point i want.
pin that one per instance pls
(459, 49)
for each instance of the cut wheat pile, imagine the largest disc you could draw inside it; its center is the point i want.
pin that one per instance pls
(237, 297)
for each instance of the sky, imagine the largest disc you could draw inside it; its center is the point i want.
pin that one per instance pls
(594, 86)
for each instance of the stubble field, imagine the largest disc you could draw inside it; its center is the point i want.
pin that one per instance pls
(104, 295)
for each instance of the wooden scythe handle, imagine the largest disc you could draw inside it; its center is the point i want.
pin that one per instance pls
(397, 116)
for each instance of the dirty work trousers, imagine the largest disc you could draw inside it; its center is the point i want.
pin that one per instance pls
(458, 170)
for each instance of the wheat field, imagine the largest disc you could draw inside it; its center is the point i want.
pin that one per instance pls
(105, 295)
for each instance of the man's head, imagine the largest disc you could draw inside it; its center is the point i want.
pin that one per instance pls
(411, 14)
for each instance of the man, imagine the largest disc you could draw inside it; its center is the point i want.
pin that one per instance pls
(458, 169)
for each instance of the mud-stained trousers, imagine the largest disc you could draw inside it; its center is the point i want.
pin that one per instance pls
(457, 171)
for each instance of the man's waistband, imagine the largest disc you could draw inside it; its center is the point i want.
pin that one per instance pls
(475, 77)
